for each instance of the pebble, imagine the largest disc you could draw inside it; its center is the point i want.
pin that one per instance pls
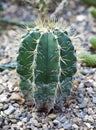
(94, 100)
(88, 125)
(67, 126)
(75, 126)
(52, 116)
(89, 89)
(55, 122)
(63, 119)
(61, 129)
(10, 110)
(84, 103)
(80, 18)
(17, 97)
(3, 98)
(1, 121)
(1, 89)
(88, 84)
(19, 123)
(79, 99)
(5, 106)
(85, 71)
(24, 120)
(1, 106)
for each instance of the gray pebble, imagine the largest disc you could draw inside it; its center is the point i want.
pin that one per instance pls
(3, 98)
(94, 100)
(67, 126)
(55, 122)
(84, 103)
(79, 99)
(1, 121)
(85, 71)
(24, 120)
(1, 106)
(90, 90)
(1, 89)
(10, 110)
(63, 119)
(5, 106)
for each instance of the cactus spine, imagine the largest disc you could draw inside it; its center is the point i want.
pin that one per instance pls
(46, 64)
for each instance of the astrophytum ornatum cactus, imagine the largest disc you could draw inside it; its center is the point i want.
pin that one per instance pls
(46, 64)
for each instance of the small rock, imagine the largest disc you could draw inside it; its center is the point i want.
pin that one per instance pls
(88, 84)
(63, 119)
(79, 99)
(80, 17)
(52, 116)
(1, 121)
(67, 126)
(24, 120)
(1, 89)
(94, 100)
(17, 97)
(88, 118)
(5, 106)
(78, 120)
(6, 127)
(10, 110)
(85, 71)
(1, 106)
(84, 103)
(90, 90)
(88, 125)
(75, 126)
(3, 98)
(55, 122)
(45, 127)
(61, 129)
(19, 123)
(33, 121)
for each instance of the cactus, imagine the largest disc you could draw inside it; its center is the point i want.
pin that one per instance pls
(90, 2)
(92, 10)
(46, 64)
(89, 59)
(93, 42)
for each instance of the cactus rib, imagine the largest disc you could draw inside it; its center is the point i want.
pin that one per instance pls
(46, 64)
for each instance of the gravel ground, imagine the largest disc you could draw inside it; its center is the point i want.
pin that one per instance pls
(79, 112)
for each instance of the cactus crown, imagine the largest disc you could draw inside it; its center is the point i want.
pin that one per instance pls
(46, 64)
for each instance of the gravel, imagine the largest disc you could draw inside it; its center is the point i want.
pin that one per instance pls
(80, 113)
(84, 103)
(94, 100)
(10, 110)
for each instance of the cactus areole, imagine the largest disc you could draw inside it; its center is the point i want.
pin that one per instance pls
(46, 64)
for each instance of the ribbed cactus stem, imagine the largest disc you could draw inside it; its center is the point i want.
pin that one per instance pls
(46, 64)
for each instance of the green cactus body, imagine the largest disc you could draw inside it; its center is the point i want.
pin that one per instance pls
(46, 64)
(90, 2)
(89, 59)
(92, 10)
(93, 42)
